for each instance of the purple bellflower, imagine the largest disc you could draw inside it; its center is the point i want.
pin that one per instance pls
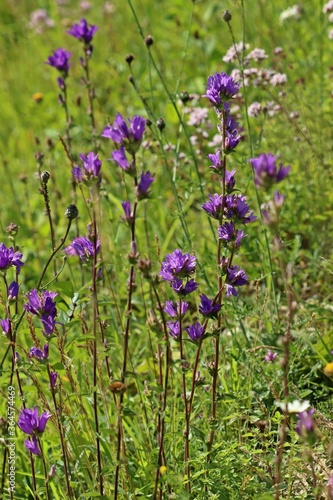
(207, 307)
(9, 258)
(270, 356)
(305, 424)
(83, 248)
(128, 136)
(90, 171)
(145, 182)
(228, 233)
(183, 289)
(220, 88)
(13, 290)
(196, 331)
(60, 61)
(174, 329)
(42, 304)
(128, 214)
(5, 325)
(38, 354)
(214, 206)
(235, 277)
(236, 207)
(173, 309)
(31, 423)
(53, 379)
(32, 445)
(266, 171)
(83, 32)
(177, 265)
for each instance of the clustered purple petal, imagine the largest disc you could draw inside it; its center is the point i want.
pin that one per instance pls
(32, 445)
(236, 207)
(145, 182)
(178, 265)
(266, 170)
(220, 88)
(31, 423)
(196, 331)
(228, 232)
(91, 168)
(214, 206)
(42, 304)
(53, 379)
(128, 136)
(174, 329)
(9, 258)
(305, 424)
(270, 356)
(235, 277)
(82, 31)
(174, 310)
(39, 354)
(60, 61)
(207, 307)
(83, 248)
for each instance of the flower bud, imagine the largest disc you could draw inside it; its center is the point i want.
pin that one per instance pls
(226, 16)
(149, 40)
(71, 212)
(160, 124)
(45, 176)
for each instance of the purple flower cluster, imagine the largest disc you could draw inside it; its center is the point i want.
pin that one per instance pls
(41, 304)
(60, 61)
(90, 172)
(83, 248)
(34, 425)
(83, 32)
(9, 258)
(305, 425)
(220, 88)
(38, 354)
(128, 136)
(266, 170)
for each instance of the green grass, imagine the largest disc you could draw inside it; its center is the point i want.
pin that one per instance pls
(190, 39)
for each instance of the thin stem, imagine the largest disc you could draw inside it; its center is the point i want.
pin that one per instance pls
(90, 92)
(53, 254)
(95, 319)
(60, 428)
(45, 470)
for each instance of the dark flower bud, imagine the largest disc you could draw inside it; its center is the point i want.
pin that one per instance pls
(23, 178)
(45, 176)
(39, 157)
(131, 79)
(184, 97)
(12, 229)
(148, 122)
(149, 40)
(71, 212)
(49, 143)
(129, 58)
(226, 16)
(160, 124)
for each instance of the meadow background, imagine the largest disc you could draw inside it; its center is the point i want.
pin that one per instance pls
(286, 307)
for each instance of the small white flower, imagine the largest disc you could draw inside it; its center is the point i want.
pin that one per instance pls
(293, 406)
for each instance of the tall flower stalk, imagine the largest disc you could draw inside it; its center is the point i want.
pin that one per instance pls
(129, 137)
(222, 207)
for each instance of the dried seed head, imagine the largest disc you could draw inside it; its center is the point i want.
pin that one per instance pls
(71, 212)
